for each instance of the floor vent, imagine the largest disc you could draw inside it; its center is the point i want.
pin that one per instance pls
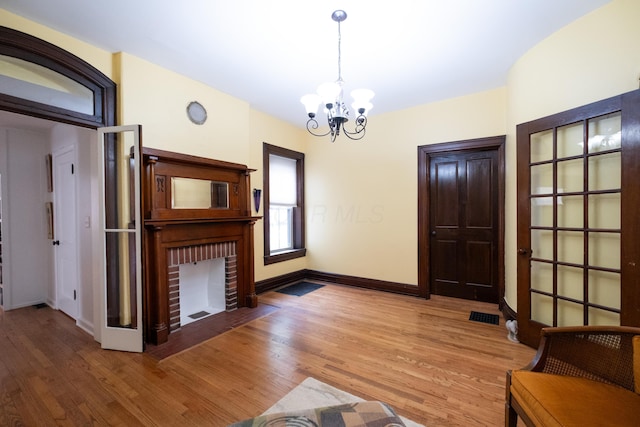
(492, 319)
(198, 315)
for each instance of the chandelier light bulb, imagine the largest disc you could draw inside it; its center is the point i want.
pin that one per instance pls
(362, 95)
(362, 100)
(365, 106)
(311, 103)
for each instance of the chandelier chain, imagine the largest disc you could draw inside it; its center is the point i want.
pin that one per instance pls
(339, 53)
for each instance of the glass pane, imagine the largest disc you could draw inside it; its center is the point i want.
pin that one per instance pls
(36, 83)
(604, 250)
(542, 179)
(604, 288)
(542, 211)
(121, 213)
(571, 247)
(604, 172)
(570, 211)
(542, 244)
(542, 309)
(604, 132)
(542, 276)
(121, 275)
(570, 282)
(604, 211)
(120, 236)
(570, 314)
(280, 228)
(570, 176)
(603, 317)
(570, 140)
(541, 146)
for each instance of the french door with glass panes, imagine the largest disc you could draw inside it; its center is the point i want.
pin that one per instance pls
(578, 221)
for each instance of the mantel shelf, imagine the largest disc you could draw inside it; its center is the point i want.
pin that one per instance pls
(182, 221)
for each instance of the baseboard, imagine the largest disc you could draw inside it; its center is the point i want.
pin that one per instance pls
(279, 281)
(85, 326)
(507, 312)
(340, 279)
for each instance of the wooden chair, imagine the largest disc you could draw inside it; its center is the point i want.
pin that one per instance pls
(586, 375)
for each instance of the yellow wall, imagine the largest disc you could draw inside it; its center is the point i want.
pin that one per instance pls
(362, 196)
(594, 58)
(101, 59)
(157, 99)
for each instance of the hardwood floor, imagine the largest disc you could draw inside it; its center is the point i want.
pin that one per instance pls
(424, 357)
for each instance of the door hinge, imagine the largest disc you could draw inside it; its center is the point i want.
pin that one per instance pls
(74, 294)
(72, 169)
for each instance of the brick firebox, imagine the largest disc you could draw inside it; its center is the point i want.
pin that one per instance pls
(190, 254)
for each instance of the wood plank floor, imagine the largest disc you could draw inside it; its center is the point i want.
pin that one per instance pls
(424, 357)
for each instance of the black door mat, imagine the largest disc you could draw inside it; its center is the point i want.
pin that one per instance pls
(492, 319)
(300, 289)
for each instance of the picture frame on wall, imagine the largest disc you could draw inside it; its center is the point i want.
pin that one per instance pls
(48, 161)
(49, 211)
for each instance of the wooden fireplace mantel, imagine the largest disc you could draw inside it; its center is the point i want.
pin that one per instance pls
(167, 227)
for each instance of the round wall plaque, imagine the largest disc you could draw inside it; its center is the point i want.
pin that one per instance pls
(196, 112)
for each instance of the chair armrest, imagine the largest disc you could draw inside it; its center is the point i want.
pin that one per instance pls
(601, 353)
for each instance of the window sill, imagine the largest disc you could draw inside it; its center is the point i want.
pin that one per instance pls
(285, 256)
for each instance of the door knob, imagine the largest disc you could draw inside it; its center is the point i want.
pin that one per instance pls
(433, 233)
(56, 242)
(523, 251)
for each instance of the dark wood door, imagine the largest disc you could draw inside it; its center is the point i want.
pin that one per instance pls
(578, 194)
(464, 225)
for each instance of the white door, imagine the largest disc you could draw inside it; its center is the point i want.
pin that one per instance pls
(121, 293)
(65, 232)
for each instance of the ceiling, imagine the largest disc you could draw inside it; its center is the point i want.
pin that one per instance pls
(270, 53)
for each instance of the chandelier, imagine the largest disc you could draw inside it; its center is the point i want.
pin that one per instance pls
(330, 94)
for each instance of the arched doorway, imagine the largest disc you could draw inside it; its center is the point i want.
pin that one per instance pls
(43, 81)
(19, 46)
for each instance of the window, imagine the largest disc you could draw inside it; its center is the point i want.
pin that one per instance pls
(283, 204)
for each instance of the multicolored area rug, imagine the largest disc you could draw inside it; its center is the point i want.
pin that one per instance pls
(312, 393)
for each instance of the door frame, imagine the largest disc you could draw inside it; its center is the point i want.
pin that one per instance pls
(425, 152)
(32, 49)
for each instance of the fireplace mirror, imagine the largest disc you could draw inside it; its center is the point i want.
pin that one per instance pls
(192, 193)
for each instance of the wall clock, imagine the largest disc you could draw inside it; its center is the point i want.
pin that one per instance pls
(196, 113)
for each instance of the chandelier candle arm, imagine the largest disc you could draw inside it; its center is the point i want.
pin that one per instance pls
(331, 95)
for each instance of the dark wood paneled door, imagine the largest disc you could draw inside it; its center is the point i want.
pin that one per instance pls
(463, 218)
(476, 176)
(578, 195)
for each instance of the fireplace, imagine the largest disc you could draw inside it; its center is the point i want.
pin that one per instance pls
(195, 209)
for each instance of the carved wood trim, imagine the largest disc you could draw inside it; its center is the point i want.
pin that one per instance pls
(167, 228)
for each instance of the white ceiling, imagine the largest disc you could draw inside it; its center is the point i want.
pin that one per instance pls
(271, 52)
